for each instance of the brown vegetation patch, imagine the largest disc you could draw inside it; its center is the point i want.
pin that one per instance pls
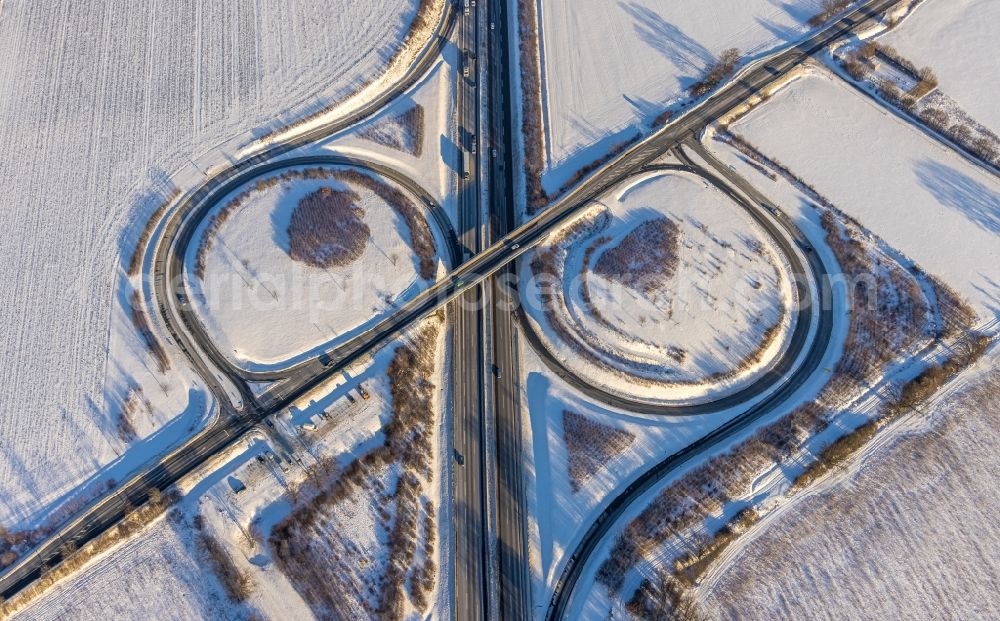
(590, 446)
(421, 237)
(327, 229)
(324, 566)
(532, 123)
(403, 132)
(135, 403)
(141, 323)
(661, 597)
(723, 67)
(894, 321)
(645, 258)
(135, 261)
(237, 584)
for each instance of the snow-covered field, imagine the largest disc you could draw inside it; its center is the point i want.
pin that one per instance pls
(610, 68)
(155, 575)
(923, 199)
(910, 533)
(560, 513)
(242, 494)
(957, 39)
(709, 306)
(101, 104)
(264, 308)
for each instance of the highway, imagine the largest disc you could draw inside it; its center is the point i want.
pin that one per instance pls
(513, 570)
(563, 590)
(107, 511)
(784, 234)
(192, 208)
(577, 561)
(472, 579)
(474, 271)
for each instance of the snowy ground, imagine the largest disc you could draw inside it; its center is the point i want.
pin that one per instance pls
(160, 573)
(155, 575)
(609, 68)
(923, 199)
(908, 530)
(435, 167)
(560, 514)
(264, 308)
(957, 39)
(102, 104)
(710, 327)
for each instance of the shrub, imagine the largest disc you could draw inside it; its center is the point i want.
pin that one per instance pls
(135, 261)
(828, 9)
(403, 132)
(835, 454)
(723, 67)
(662, 597)
(141, 323)
(237, 584)
(531, 105)
(590, 446)
(645, 258)
(326, 229)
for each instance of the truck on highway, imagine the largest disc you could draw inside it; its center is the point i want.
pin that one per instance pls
(469, 64)
(466, 165)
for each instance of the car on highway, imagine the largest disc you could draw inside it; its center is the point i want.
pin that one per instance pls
(804, 246)
(497, 372)
(459, 459)
(325, 360)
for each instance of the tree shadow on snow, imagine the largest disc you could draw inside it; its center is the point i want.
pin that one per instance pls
(958, 191)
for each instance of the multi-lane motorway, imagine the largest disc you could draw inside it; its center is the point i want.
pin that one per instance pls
(241, 417)
(513, 583)
(471, 504)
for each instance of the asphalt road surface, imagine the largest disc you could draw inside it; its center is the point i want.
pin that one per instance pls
(578, 559)
(471, 510)
(106, 512)
(811, 270)
(513, 571)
